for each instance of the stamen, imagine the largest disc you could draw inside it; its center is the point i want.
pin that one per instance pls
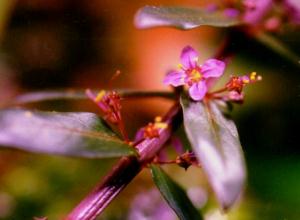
(246, 81)
(180, 66)
(100, 95)
(161, 125)
(253, 76)
(158, 119)
(152, 129)
(195, 75)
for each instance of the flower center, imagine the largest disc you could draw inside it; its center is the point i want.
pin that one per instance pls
(195, 76)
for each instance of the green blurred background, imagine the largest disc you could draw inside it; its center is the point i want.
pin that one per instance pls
(54, 44)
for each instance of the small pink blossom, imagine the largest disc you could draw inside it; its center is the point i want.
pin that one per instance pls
(231, 12)
(193, 75)
(293, 9)
(236, 84)
(255, 10)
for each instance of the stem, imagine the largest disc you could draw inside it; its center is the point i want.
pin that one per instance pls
(124, 171)
(95, 202)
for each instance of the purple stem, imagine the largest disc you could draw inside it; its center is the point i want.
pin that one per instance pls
(124, 171)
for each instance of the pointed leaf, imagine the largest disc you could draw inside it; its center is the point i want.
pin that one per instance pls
(174, 195)
(182, 18)
(40, 96)
(68, 134)
(215, 141)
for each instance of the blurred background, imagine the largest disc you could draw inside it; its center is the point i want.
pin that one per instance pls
(54, 44)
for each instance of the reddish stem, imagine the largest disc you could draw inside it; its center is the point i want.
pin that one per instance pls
(124, 171)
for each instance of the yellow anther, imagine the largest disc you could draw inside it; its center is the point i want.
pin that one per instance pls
(161, 125)
(100, 95)
(180, 66)
(158, 119)
(253, 76)
(246, 81)
(196, 75)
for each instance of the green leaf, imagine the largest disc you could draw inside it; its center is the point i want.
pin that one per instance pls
(68, 134)
(214, 138)
(182, 18)
(174, 195)
(278, 47)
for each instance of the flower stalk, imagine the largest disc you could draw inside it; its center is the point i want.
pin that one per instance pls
(124, 171)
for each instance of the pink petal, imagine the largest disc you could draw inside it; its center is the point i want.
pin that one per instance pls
(174, 78)
(198, 90)
(189, 57)
(256, 14)
(231, 12)
(213, 68)
(235, 96)
(293, 8)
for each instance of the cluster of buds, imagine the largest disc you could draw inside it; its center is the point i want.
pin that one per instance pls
(184, 160)
(237, 83)
(109, 103)
(151, 130)
(187, 159)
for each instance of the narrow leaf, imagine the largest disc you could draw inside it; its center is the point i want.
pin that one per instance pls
(68, 134)
(40, 96)
(278, 47)
(215, 141)
(182, 18)
(174, 195)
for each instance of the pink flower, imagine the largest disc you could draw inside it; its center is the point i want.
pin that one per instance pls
(193, 75)
(293, 9)
(256, 10)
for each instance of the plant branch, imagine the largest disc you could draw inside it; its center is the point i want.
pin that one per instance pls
(124, 171)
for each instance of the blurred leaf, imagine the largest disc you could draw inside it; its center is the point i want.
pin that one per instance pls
(278, 47)
(39, 96)
(80, 94)
(182, 18)
(174, 195)
(6, 8)
(68, 134)
(215, 141)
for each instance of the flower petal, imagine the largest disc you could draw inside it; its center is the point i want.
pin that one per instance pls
(293, 8)
(256, 10)
(231, 12)
(198, 90)
(189, 57)
(174, 78)
(212, 68)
